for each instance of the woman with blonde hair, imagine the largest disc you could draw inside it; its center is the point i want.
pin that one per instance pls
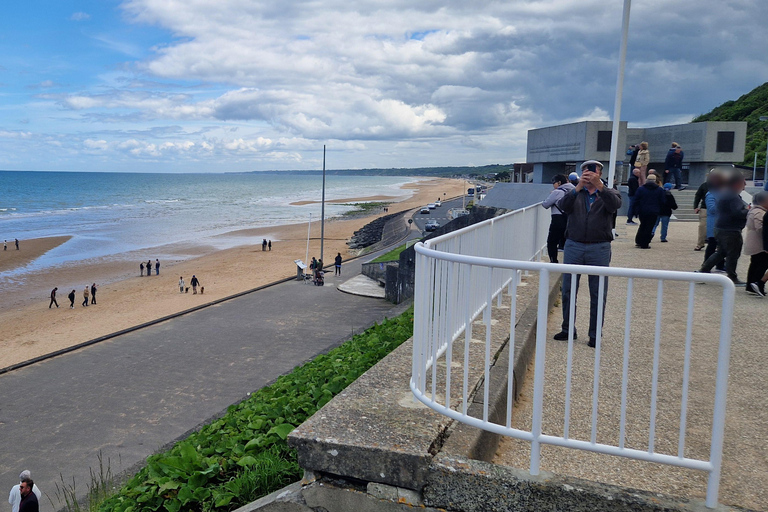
(641, 163)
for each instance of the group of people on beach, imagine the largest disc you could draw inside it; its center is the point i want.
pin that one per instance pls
(266, 244)
(5, 244)
(194, 282)
(25, 496)
(149, 267)
(89, 296)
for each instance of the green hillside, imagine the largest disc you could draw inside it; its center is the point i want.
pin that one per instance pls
(748, 108)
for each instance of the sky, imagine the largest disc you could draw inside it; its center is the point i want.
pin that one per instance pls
(245, 85)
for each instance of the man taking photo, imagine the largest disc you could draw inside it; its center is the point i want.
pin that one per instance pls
(590, 208)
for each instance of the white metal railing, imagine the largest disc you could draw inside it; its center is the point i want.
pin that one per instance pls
(458, 276)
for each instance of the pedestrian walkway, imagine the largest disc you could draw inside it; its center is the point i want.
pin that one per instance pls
(745, 467)
(133, 394)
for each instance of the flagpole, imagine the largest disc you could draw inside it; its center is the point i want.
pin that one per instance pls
(322, 212)
(309, 230)
(619, 91)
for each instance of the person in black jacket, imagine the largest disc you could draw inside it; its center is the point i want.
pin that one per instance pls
(700, 207)
(71, 298)
(632, 185)
(590, 207)
(666, 212)
(337, 264)
(28, 499)
(649, 199)
(731, 219)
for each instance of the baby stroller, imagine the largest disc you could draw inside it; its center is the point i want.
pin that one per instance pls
(319, 280)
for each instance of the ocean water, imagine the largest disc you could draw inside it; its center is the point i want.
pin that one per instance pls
(109, 214)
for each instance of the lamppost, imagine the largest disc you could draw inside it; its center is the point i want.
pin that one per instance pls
(765, 169)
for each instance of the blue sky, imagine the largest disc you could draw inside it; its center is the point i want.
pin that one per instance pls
(237, 85)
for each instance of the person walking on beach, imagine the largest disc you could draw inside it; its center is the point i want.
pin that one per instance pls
(5, 245)
(53, 298)
(194, 282)
(590, 207)
(141, 268)
(85, 296)
(93, 293)
(17, 243)
(28, 501)
(157, 267)
(71, 298)
(337, 263)
(264, 244)
(269, 244)
(181, 284)
(14, 497)
(149, 267)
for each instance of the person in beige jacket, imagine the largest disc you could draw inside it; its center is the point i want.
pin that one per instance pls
(756, 245)
(641, 163)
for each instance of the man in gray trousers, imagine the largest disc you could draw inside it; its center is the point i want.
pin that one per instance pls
(591, 208)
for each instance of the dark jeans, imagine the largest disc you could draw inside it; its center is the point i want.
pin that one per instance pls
(728, 248)
(758, 264)
(585, 254)
(631, 209)
(645, 231)
(710, 250)
(556, 235)
(676, 174)
(53, 301)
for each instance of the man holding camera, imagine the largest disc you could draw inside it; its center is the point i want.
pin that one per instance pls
(590, 208)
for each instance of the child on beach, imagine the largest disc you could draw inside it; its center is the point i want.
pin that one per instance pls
(141, 268)
(181, 284)
(71, 298)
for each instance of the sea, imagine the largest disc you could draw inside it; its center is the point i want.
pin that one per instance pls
(111, 214)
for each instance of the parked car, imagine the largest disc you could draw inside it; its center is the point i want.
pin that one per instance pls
(431, 206)
(432, 225)
(424, 210)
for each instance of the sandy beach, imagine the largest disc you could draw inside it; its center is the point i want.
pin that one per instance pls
(31, 329)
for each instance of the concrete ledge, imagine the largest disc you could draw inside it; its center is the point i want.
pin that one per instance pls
(458, 483)
(374, 430)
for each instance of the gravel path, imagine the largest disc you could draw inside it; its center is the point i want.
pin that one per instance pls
(745, 463)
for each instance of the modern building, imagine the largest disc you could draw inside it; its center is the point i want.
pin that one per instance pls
(561, 149)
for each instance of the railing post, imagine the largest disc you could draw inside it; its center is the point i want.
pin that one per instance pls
(538, 372)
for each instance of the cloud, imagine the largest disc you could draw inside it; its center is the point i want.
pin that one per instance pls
(80, 16)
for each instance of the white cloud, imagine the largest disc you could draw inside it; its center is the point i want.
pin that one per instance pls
(80, 16)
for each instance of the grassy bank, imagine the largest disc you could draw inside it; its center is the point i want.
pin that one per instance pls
(244, 455)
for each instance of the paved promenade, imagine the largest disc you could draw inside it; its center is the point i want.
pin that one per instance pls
(745, 465)
(135, 393)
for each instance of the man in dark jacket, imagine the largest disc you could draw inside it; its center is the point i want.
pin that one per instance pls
(632, 185)
(700, 207)
(670, 204)
(590, 207)
(731, 219)
(673, 165)
(649, 199)
(28, 499)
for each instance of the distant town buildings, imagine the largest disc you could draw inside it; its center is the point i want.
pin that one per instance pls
(561, 149)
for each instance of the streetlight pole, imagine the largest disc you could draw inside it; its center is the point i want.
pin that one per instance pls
(619, 91)
(765, 169)
(322, 211)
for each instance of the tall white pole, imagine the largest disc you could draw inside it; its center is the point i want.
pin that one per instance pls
(619, 91)
(322, 212)
(309, 229)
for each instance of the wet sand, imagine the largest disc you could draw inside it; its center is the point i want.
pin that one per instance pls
(30, 328)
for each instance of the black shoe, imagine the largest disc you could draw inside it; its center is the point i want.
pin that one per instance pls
(664, 241)
(736, 282)
(592, 342)
(757, 289)
(563, 336)
(631, 222)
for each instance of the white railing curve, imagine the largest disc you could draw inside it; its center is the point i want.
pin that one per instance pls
(459, 277)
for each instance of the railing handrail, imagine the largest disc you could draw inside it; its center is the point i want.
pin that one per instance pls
(453, 289)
